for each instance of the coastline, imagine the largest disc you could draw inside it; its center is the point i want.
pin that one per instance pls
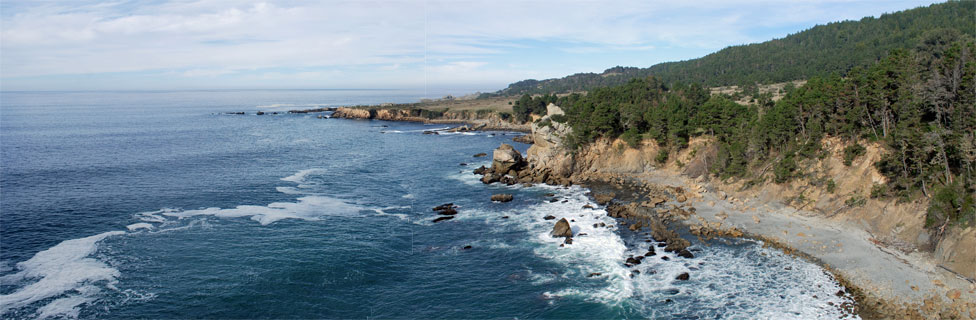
(885, 282)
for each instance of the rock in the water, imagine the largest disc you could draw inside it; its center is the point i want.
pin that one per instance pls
(549, 217)
(479, 155)
(444, 206)
(462, 164)
(439, 219)
(447, 212)
(633, 261)
(562, 229)
(506, 158)
(594, 274)
(684, 253)
(586, 206)
(490, 178)
(502, 197)
(683, 276)
(603, 198)
(523, 139)
(466, 247)
(569, 240)
(676, 245)
(481, 170)
(260, 113)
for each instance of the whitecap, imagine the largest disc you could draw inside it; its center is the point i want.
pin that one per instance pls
(63, 269)
(307, 208)
(140, 225)
(300, 176)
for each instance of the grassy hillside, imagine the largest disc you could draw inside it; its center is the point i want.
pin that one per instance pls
(817, 52)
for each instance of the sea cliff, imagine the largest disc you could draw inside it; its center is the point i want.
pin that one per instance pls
(880, 247)
(478, 120)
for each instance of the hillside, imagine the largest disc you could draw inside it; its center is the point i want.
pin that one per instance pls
(816, 52)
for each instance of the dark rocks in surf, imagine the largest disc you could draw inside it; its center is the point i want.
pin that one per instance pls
(481, 170)
(439, 219)
(683, 276)
(444, 206)
(260, 113)
(479, 155)
(684, 253)
(562, 229)
(502, 197)
(549, 217)
(527, 139)
(446, 209)
(633, 261)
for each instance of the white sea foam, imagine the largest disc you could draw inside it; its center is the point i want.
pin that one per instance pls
(307, 208)
(726, 282)
(140, 225)
(299, 177)
(65, 269)
(600, 250)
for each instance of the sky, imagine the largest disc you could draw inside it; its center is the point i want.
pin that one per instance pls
(459, 45)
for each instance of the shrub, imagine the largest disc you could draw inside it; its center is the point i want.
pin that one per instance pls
(560, 118)
(662, 156)
(950, 204)
(831, 186)
(856, 201)
(632, 137)
(878, 190)
(851, 153)
(786, 169)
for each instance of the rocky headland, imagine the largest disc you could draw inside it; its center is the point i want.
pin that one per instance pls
(878, 249)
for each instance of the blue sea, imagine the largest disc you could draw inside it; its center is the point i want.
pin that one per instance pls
(158, 204)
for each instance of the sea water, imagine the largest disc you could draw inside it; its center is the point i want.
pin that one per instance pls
(159, 204)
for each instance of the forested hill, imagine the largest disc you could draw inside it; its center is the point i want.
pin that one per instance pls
(816, 52)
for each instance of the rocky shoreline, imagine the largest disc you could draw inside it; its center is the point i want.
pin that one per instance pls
(663, 202)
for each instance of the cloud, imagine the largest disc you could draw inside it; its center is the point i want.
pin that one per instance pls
(384, 39)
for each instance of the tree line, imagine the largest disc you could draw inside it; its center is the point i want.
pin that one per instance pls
(919, 104)
(817, 52)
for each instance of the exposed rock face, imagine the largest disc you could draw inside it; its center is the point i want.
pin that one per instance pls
(562, 229)
(506, 158)
(547, 150)
(603, 198)
(524, 139)
(502, 197)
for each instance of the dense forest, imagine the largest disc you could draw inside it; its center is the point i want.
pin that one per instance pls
(920, 104)
(817, 52)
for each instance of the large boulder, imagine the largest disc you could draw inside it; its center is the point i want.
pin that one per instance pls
(501, 197)
(562, 229)
(506, 158)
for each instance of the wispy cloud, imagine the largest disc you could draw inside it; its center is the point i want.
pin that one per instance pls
(380, 42)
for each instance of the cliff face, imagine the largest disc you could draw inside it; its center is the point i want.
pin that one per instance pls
(479, 120)
(895, 228)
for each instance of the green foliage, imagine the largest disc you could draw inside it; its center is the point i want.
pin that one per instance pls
(851, 153)
(951, 204)
(878, 191)
(559, 118)
(526, 106)
(632, 138)
(831, 186)
(816, 52)
(786, 169)
(919, 105)
(662, 156)
(856, 201)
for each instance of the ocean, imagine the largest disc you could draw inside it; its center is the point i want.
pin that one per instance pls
(158, 204)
